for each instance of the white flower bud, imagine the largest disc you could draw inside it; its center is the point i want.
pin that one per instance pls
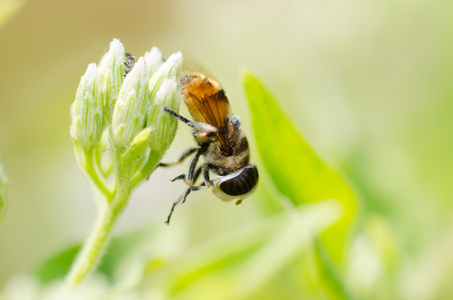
(130, 111)
(87, 111)
(153, 60)
(163, 124)
(169, 69)
(111, 74)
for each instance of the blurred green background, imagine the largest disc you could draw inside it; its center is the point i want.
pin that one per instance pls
(369, 83)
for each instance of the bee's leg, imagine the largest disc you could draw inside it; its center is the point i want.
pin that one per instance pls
(182, 199)
(191, 176)
(207, 180)
(183, 176)
(183, 156)
(180, 177)
(202, 186)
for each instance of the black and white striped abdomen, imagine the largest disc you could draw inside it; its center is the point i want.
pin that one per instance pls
(237, 185)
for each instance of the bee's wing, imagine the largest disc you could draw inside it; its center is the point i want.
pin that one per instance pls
(213, 109)
(206, 100)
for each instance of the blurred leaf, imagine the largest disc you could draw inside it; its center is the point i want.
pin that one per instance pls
(57, 266)
(250, 263)
(295, 168)
(374, 265)
(7, 9)
(329, 276)
(430, 276)
(3, 186)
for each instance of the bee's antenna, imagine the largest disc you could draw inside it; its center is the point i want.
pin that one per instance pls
(198, 126)
(177, 116)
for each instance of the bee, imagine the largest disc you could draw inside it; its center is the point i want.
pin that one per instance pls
(220, 140)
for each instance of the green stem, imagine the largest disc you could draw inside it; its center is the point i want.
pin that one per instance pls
(87, 164)
(94, 174)
(97, 241)
(104, 172)
(111, 203)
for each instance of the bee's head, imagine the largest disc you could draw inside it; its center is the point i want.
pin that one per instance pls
(237, 185)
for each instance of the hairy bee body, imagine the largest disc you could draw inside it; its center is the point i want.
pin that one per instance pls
(221, 141)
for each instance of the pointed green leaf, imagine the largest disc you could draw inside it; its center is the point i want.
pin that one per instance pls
(294, 167)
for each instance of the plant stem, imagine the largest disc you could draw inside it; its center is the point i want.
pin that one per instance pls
(85, 160)
(97, 241)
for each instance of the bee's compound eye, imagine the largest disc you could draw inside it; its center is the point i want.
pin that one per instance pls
(238, 184)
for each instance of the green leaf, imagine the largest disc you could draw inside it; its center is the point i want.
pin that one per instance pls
(294, 167)
(56, 266)
(268, 259)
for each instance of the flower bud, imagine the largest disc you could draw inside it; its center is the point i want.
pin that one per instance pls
(87, 111)
(169, 69)
(164, 95)
(163, 124)
(111, 74)
(131, 107)
(153, 60)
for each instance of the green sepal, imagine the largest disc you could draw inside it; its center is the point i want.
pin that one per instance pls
(136, 151)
